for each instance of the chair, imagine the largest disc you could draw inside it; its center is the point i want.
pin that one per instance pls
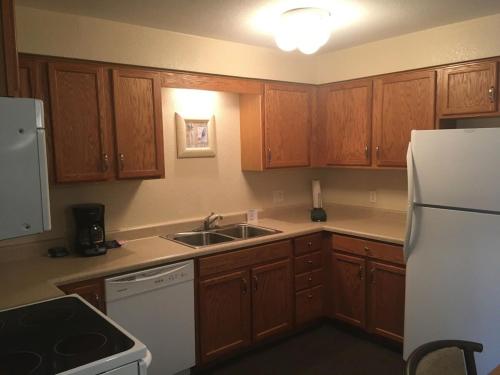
(444, 357)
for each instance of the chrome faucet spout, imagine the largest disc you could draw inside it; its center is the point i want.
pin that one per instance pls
(210, 220)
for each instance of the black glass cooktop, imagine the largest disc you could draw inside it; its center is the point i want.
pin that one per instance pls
(55, 336)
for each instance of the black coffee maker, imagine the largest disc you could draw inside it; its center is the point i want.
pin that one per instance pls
(90, 235)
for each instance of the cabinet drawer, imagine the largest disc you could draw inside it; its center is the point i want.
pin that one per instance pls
(308, 262)
(307, 244)
(309, 304)
(372, 249)
(309, 279)
(244, 258)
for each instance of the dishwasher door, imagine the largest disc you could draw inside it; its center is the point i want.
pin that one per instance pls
(157, 306)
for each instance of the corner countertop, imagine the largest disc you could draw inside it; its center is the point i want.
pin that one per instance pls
(35, 279)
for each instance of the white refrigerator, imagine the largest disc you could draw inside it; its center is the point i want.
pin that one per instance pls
(452, 244)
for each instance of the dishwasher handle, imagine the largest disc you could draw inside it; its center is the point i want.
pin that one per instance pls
(146, 276)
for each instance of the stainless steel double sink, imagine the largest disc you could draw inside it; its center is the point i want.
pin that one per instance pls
(228, 233)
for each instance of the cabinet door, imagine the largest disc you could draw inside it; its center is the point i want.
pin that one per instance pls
(138, 123)
(287, 125)
(224, 314)
(79, 127)
(386, 300)
(348, 122)
(349, 289)
(308, 305)
(27, 78)
(91, 291)
(9, 72)
(470, 88)
(402, 102)
(272, 299)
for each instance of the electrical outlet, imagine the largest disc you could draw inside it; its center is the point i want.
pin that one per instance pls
(373, 196)
(278, 196)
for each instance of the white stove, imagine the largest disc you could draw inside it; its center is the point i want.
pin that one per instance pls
(67, 336)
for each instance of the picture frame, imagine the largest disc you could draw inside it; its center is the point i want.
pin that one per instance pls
(195, 137)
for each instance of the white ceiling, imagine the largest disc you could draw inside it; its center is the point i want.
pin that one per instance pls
(241, 20)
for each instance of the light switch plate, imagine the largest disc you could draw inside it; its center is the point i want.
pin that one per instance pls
(278, 196)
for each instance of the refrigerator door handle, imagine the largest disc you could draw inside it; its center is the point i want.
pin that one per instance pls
(411, 204)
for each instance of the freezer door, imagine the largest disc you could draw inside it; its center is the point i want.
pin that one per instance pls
(457, 168)
(453, 281)
(24, 195)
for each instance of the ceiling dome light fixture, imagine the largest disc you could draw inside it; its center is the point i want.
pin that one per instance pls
(307, 29)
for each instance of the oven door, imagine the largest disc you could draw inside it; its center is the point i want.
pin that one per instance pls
(134, 368)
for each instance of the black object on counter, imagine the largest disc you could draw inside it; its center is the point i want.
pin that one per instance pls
(58, 252)
(318, 214)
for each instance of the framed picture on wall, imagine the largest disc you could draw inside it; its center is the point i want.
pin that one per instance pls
(195, 137)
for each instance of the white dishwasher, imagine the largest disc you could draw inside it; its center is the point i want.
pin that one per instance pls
(157, 306)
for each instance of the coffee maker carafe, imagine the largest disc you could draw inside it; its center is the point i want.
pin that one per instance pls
(90, 234)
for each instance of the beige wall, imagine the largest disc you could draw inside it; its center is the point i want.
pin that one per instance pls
(58, 34)
(352, 186)
(473, 39)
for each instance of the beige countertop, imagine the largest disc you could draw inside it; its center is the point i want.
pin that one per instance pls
(34, 279)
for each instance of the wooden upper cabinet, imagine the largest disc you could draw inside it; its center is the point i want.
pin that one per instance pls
(288, 113)
(138, 123)
(348, 112)
(79, 128)
(386, 292)
(9, 66)
(27, 78)
(349, 299)
(468, 89)
(272, 299)
(224, 314)
(402, 103)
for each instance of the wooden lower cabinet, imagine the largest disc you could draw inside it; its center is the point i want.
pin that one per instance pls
(309, 305)
(225, 320)
(91, 291)
(368, 290)
(272, 299)
(349, 289)
(386, 300)
(244, 296)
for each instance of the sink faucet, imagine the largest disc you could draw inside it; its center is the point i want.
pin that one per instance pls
(210, 220)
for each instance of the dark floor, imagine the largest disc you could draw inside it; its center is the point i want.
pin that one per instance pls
(324, 350)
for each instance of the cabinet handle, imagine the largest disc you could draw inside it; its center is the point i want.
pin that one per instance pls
(309, 261)
(377, 152)
(367, 250)
(309, 244)
(492, 94)
(310, 278)
(122, 161)
(97, 299)
(255, 283)
(269, 154)
(105, 162)
(360, 274)
(309, 296)
(244, 286)
(372, 275)
(367, 152)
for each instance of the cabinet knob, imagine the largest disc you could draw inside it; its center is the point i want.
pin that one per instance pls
(244, 286)
(360, 274)
(377, 152)
(367, 152)
(122, 160)
(309, 261)
(492, 94)
(255, 283)
(269, 154)
(105, 162)
(309, 244)
(310, 278)
(309, 296)
(367, 250)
